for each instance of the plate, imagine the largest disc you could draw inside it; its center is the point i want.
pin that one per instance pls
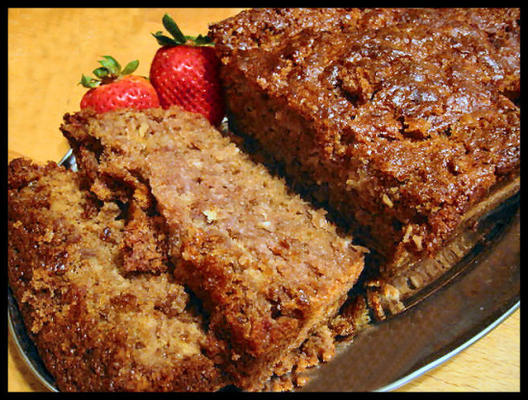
(483, 289)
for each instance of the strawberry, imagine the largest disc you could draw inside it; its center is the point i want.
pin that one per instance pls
(115, 88)
(185, 72)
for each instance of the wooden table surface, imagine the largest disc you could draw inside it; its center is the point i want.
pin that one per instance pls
(48, 49)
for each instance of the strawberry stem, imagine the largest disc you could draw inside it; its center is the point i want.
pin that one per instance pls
(109, 71)
(178, 38)
(173, 29)
(130, 67)
(111, 64)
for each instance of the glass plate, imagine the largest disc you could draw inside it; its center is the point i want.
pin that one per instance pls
(479, 292)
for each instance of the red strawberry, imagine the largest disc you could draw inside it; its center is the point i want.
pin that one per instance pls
(184, 72)
(116, 88)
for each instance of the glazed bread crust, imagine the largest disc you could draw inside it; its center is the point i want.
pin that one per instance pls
(402, 119)
(269, 269)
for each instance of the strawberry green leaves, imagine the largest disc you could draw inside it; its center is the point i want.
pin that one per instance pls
(173, 29)
(110, 64)
(201, 40)
(178, 38)
(109, 71)
(130, 67)
(88, 82)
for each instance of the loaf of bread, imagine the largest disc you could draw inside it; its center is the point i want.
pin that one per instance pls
(404, 120)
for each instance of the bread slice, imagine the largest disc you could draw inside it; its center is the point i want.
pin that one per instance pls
(269, 269)
(96, 325)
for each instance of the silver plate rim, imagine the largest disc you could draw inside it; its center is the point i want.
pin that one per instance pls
(442, 359)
